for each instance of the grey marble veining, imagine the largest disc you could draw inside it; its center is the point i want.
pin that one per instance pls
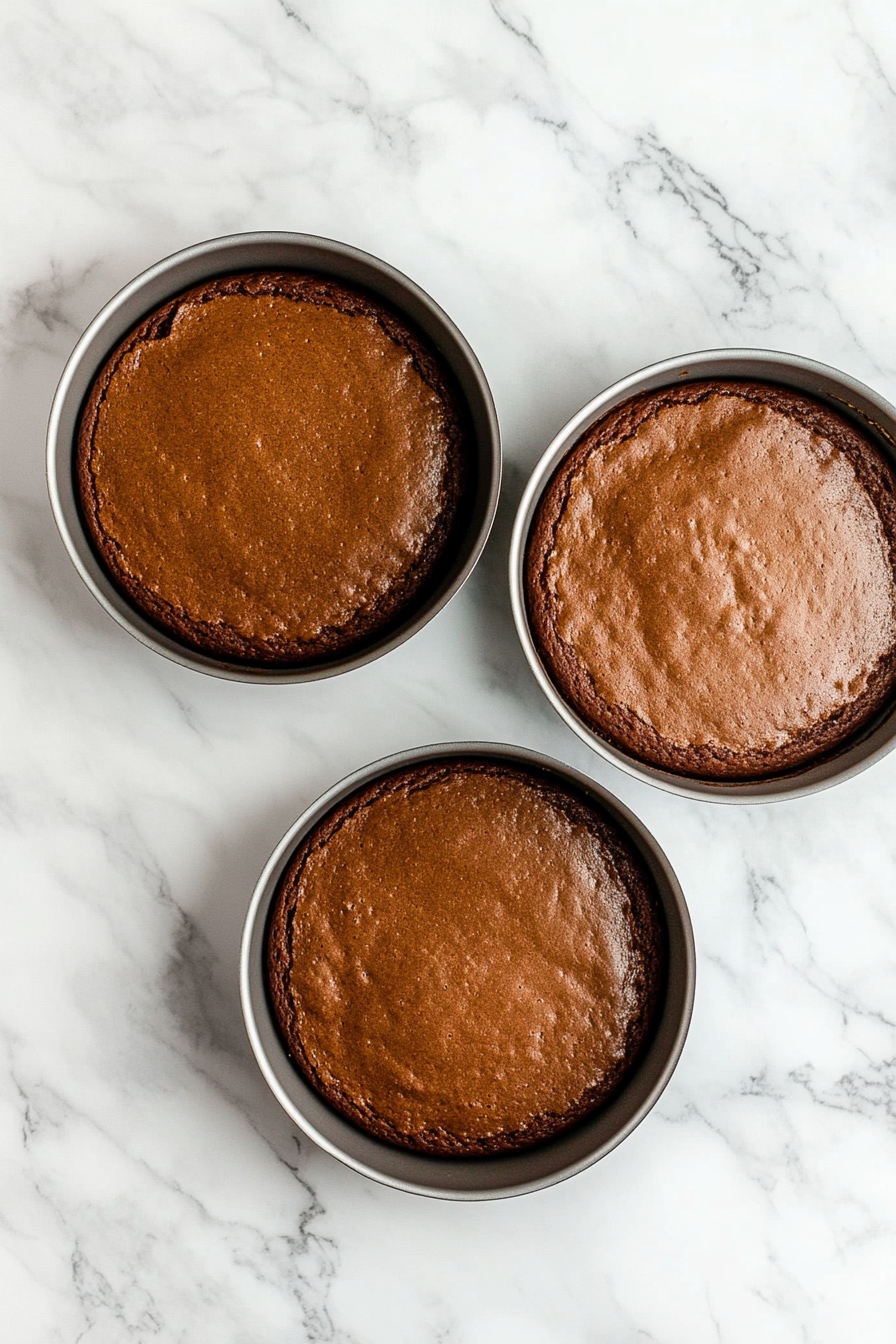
(585, 188)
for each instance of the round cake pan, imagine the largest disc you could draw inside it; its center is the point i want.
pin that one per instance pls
(260, 251)
(871, 412)
(479, 1177)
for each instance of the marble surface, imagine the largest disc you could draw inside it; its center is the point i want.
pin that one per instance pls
(586, 187)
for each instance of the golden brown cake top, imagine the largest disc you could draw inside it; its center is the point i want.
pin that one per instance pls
(465, 957)
(718, 566)
(273, 459)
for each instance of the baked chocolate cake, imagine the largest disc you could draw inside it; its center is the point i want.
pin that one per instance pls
(274, 468)
(465, 957)
(711, 579)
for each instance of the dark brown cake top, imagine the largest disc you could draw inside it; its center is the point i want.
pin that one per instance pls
(466, 957)
(271, 465)
(715, 566)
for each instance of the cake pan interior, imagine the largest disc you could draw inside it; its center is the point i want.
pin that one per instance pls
(482, 1177)
(259, 251)
(871, 413)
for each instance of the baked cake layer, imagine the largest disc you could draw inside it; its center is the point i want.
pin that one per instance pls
(711, 579)
(274, 467)
(466, 957)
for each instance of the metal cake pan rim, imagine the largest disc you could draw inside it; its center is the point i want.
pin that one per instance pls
(873, 743)
(92, 348)
(264, 1037)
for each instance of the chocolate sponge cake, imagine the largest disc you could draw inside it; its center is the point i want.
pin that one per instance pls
(274, 468)
(466, 956)
(711, 579)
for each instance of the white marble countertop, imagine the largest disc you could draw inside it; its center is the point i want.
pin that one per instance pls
(586, 187)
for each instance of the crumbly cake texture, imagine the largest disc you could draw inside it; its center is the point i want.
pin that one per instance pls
(275, 468)
(711, 579)
(466, 957)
